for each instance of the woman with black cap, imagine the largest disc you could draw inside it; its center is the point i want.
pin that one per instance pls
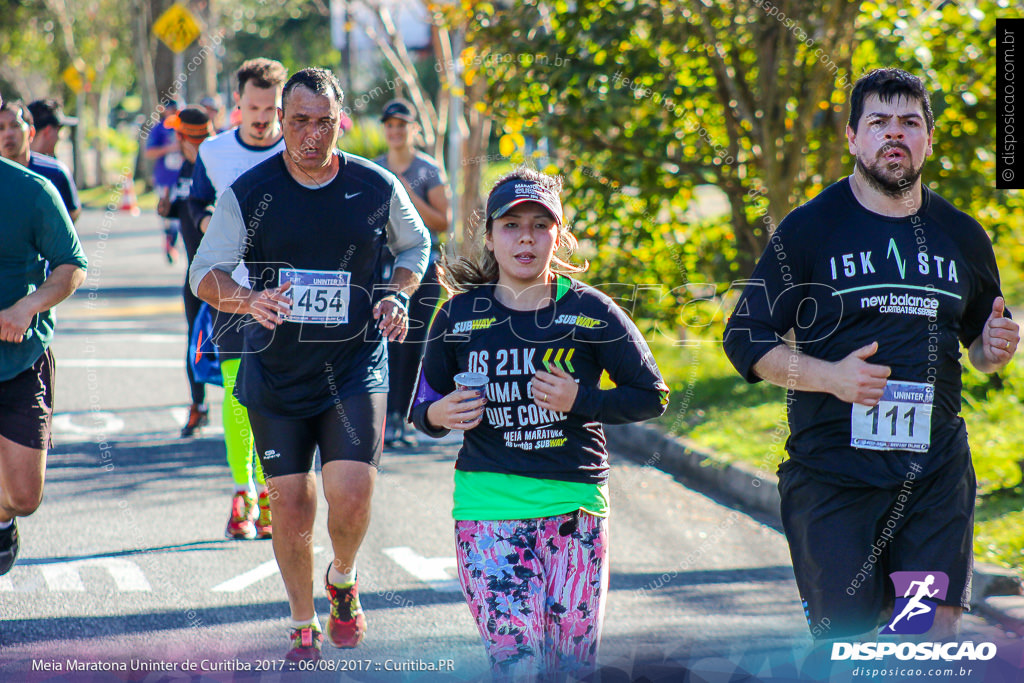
(531, 491)
(424, 181)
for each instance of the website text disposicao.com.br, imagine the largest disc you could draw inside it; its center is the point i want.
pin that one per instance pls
(950, 659)
(902, 672)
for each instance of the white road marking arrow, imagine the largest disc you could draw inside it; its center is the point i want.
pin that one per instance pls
(432, 571)
(65, 576)
(243, 581)
(142, 363)
(96, 424)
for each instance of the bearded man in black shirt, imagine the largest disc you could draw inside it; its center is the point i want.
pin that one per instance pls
(880, 280)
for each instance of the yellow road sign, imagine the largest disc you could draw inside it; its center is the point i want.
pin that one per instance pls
(77, 79)
(177, 27)
(73, 79)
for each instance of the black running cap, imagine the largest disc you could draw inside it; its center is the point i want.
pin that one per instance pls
(399, 109)
(519, 191)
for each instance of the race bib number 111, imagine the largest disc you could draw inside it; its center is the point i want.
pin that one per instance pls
(901, 421)
(318, 296)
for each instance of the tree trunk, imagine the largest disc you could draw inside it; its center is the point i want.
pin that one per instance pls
(441, 41)
(474, 150)
(102, 131)
(143, 20)
(203, 80)
(163, 58)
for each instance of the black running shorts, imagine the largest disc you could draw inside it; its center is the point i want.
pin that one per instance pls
(351, 429)
(26, 405)
(845, 540)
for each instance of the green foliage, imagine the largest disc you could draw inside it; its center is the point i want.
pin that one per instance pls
(365, 139)
(715, 407)
(493, 172)
(999, 528)
(727, 95)
(26, 37)
(102, 197)
(995, 422)
(952, 47)
(642, 113)
(299, 31)
(716, 410)
(94, 36)
(122, 146)
(690, 94)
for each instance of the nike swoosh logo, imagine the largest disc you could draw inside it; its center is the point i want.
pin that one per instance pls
(350, 196)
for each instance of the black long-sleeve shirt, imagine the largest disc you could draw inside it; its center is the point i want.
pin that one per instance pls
(582, 332)
(841, 277)
(328, 242)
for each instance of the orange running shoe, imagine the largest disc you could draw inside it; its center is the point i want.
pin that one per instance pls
(264, 529)
(243, 515)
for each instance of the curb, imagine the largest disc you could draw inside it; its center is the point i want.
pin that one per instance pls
(996, 592)
(679, 456)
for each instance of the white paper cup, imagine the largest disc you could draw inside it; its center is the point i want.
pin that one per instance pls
(472, 381)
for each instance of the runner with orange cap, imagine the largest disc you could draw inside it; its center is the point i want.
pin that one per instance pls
(192, 126)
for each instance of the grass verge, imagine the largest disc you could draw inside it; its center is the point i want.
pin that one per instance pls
(100, 196)
(719, 411)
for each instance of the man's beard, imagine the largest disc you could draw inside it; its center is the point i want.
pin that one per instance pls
(260, 132)
(878, 175)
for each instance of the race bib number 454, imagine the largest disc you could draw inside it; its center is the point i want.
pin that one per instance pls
(318, 296)
(901, 421)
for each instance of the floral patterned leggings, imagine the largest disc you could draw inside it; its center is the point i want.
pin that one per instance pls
(536, 588)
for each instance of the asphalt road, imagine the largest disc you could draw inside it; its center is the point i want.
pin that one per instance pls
(126, 561)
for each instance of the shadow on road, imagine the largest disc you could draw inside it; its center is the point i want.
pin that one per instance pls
(153, 292)
(18, 631)
(681, 579)
(219, 544)
(133, 465)
(103, 236)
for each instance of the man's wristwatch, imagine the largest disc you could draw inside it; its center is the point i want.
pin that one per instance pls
(403, 299)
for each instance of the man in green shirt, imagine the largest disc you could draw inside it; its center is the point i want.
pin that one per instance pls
(35, 229)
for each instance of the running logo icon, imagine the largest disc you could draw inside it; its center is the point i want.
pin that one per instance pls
(914, 612)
